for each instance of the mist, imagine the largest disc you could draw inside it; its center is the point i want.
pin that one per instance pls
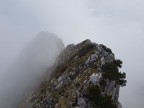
(25, 74)
(118, 24)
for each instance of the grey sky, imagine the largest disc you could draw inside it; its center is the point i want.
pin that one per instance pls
(119, 24)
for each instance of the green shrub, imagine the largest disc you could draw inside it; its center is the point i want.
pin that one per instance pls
(106, 49)
(111, 72)
(86, 49)
(98, 100)
(118, 63)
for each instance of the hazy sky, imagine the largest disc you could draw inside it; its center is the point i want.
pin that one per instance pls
(119, 24)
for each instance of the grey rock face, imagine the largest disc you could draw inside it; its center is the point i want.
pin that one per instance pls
(77, 68)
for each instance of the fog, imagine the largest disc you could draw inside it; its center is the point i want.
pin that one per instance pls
(25, 74)
(118, 24)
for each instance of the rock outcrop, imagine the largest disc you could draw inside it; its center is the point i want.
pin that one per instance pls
(85, 75)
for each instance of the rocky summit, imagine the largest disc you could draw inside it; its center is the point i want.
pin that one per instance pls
(85, 75)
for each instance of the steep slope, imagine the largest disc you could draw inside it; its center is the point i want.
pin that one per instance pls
(85, 75)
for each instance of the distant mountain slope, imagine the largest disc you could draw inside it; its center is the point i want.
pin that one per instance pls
(38, 55)
(85, 75)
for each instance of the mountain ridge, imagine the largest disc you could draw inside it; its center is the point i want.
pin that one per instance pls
(85, 75)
